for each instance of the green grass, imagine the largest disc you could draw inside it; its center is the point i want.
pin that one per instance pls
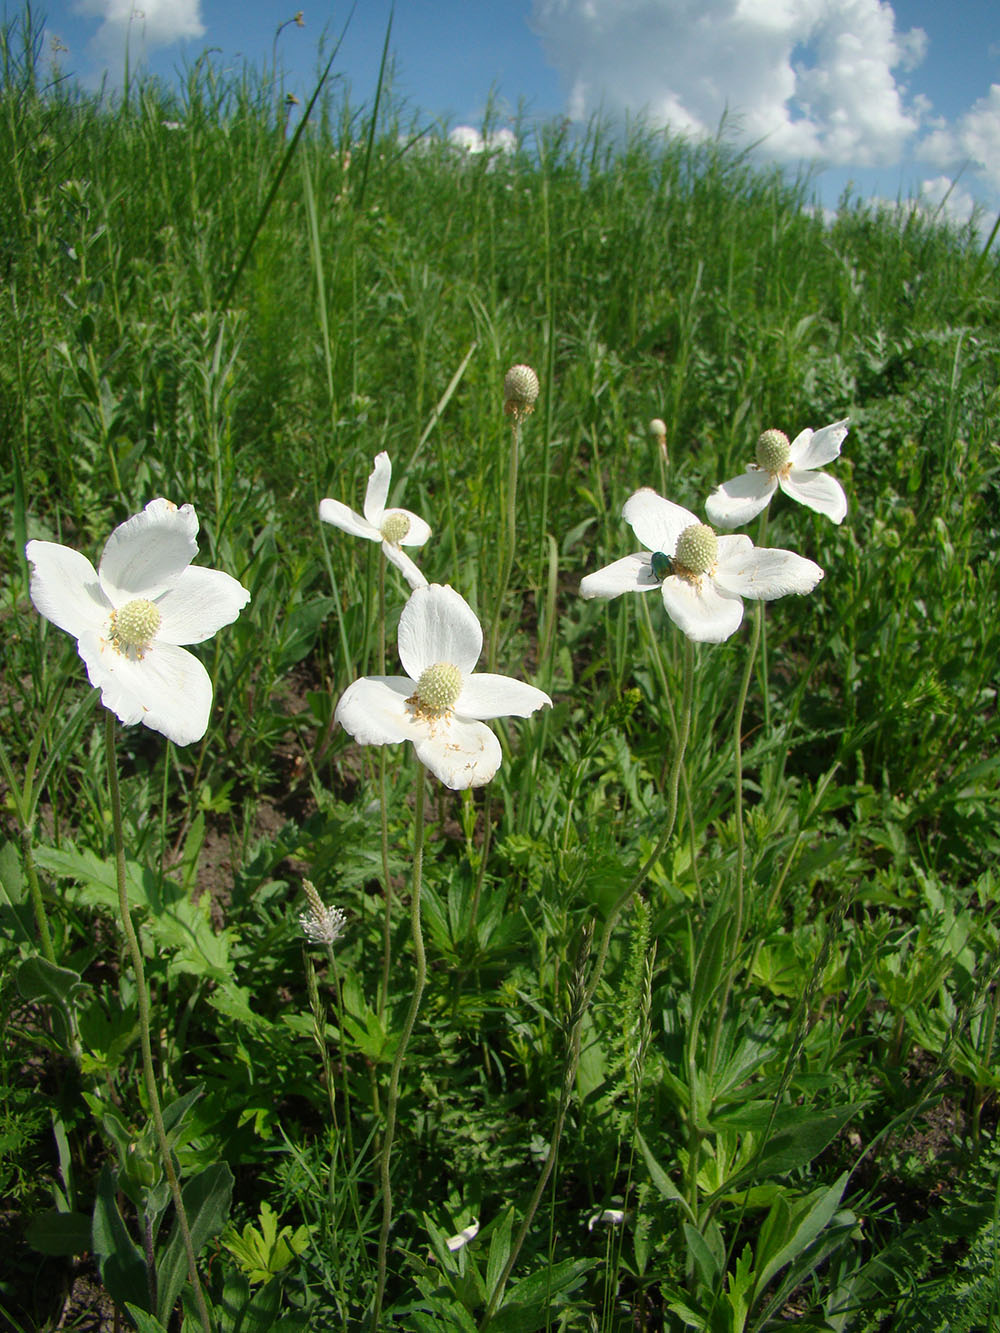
(383, 300)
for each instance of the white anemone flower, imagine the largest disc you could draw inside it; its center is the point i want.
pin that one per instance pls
(702, 577)
(130, 616)
(790, 466)
(441, 703)
(394, 528)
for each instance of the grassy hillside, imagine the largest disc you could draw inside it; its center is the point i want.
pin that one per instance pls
(755, 1038)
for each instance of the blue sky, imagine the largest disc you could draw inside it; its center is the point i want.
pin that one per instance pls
(899, 99)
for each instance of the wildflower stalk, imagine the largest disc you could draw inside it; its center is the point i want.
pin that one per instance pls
(741, 851)
(142, 997)
(392, 1102)
(509, 536)
(383, 802)
(588, 989)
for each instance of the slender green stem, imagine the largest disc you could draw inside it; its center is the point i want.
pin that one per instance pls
(142, 997)
(383, 804)
(739, 886)
(420, 977)
(596, 971)
(509, 535)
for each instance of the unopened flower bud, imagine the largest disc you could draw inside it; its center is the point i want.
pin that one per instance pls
(520, 391)
(658, 430)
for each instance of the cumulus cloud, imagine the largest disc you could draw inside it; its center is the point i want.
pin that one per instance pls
(973, 140)
(943, 198)
(810, 78)
(470, 140)
(144, 24)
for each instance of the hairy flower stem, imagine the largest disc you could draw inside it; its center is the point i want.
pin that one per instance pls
(419, 978)
(142, 997)
(383, 991)
(510, 533)
(588, 990)
(741, 848)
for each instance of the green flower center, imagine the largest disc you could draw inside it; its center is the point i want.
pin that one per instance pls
(773, 450)
(395, 526)
(697, 548)
(134, 625)
(438, 688)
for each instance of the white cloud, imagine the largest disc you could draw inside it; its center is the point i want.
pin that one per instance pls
(974, 140)
(811, 78)
(144, 24)
(944, 199)
(470, 140)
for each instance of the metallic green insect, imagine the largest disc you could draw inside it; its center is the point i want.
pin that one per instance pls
(661, 564)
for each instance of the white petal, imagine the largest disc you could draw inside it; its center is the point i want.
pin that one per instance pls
(817, 448)
(464, 754)
(485, 695)
(199, 604)
(655, 521)
(819, 491)
(378, 489)
(373, 710)
(332, 511)
(404, 564)
(65, 588)
(418, 532)
(167, 689)
(738, 501)
(463, 1237)
(147, 554)
(459, 752)
(704, 612)
(630, 574)
(766, 573)
(438, 625)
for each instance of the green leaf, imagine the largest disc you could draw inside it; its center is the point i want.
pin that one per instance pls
(529, 1305)
(38, 979)
(661, 1180)
(499, 1253)
(703, 1258)
(53, 1232)
(144, 1322)
(709, 966)
(121, 1262)
(797, 1144)
(206, 1197)
(800, 1224)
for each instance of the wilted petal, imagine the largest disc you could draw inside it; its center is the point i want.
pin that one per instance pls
(462, 754)
(738, 501)
(765, 573)
(655, 521)
(705, 613)
(404, 564)
(65, 588)
(816, 448)
(167, 689)
(374, 711)
(632, 573)
(438, 625)
(332, 511)
(147, 554)
(485, 695)
(378, 489)
(819, 491)
(199, 604)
